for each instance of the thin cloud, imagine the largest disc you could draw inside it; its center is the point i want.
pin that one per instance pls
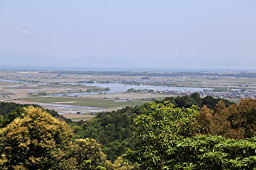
(25, 32)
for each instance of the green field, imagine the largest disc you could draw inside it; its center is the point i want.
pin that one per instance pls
(90, 102)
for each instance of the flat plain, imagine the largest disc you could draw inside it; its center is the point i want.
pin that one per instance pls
(79, 95)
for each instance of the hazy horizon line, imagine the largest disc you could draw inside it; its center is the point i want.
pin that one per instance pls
(136, 69)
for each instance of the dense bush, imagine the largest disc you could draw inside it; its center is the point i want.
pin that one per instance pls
(157, 131)
(236, 121)
(36, 140)
(9, 111)
(88, 155)
(195, 99)
(177, 133)
(212, 152)
(164, 139)
(114, 129)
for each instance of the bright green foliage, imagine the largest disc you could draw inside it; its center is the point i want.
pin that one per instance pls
(195, 99)
(17, 112)
(166, 136)
(7, 107)
(212, 152)
(1, 121)
(121, 164)
(157, 131)
(36, 140)
(89, 155)
(164, 139)
(111, 129)
(9, 111)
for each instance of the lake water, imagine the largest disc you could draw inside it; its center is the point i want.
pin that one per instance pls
(120, 88)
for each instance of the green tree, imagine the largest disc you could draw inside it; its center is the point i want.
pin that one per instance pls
(235, 121)
(121, 164)
(88, 155)
(243, 115)
(212, 152)
(36, 140)
(17, 112)
(111, 129)
(156, 132)
(165, 138)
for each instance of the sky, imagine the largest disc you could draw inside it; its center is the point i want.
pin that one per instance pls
(128, 33)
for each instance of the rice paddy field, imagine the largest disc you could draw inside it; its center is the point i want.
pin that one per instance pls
(80, 95)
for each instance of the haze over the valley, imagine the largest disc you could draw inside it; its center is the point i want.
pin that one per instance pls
(128, 34)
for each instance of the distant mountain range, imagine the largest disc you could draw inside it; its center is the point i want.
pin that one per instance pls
(11, 60)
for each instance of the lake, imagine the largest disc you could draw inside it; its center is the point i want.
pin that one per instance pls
(121, 88)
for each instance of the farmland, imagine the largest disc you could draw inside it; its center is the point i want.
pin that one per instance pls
(87, 93)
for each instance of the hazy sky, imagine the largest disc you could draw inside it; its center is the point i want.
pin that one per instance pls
(128, 33)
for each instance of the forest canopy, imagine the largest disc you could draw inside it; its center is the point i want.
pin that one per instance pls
(187, 132)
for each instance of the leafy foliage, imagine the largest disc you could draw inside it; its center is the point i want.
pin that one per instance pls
(9, 111)
(195, 99)
(7, 107)
(111, 131)
(122, 164)
(212, 152)
(157, 131)
(35, 141)
(88, 155)
(186, 132)
(114, 129)
(243, 115)
(164, 139)
(236, 121)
